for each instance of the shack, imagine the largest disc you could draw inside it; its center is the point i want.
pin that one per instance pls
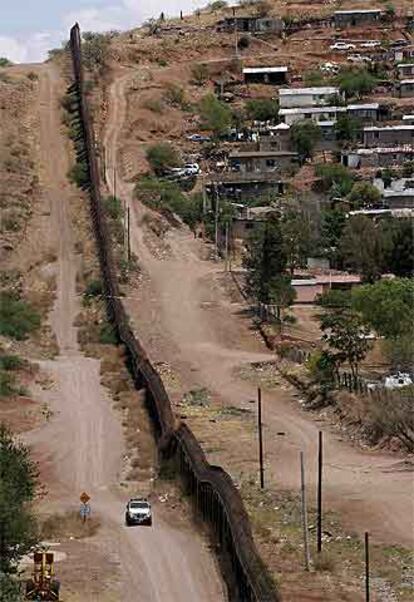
(377, 157)
(316, 114)
(265, 75)
(390, 135)
(405, 70)
(241, 186)
(352, 18)
(406, 88)
(364, 112)
(307, 97)
(263, 161)
(251, 24)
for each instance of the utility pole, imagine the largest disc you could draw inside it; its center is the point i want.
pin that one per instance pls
(367, 592)
(304, 513)
(227, 248)
(129, 235)
(319, 500)
(259, 424)
(216, 216)
(114, 174)
(236, 41)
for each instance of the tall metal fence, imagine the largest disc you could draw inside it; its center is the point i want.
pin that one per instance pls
(215, 496)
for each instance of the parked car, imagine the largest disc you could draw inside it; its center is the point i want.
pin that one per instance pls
(398, 381)
(198, 138)
(358, 58)
(342, 46)
(138, 512)
(192, 169)
(329, 67)
(370, 44)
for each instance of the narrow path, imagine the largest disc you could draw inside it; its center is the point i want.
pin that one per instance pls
(369, 489)
(83, 441)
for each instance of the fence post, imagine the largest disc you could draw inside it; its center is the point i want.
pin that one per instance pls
(319, 500)
(367, 592)
(259, 424)
(304, 513)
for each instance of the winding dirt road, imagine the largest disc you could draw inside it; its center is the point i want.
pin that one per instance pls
(202, 336)
(83, 441)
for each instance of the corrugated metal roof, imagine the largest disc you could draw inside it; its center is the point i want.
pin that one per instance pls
(315, 91)
(356, 11)
(389, 128)
(260, 154)
(265, 70)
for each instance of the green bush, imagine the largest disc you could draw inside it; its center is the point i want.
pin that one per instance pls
(304, 135)
(94, 288)
(356, 82)
(262, 109)
(161, 156)
(217, 5)
(153, 104)
(7, 384)
(17, 318)
(113, 207)
(335, 177)
(107, 335)
(175, 96)
(79, 174)
(199, 73)
(334, 298)
(11, 362)
(4, 62)
(215, 115)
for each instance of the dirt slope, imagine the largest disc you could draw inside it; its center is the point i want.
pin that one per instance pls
(371, 490)
(82, 444)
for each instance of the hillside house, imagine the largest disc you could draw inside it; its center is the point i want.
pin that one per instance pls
(265, 75)
(307, 97)
(406, 88)
(352, 18)
(242, 186)
(263, 161)
(399, 199)
(364, 112)
(390, 135)
(404, 54)
(251, 24)
(408, 119)
(405, 70)
(377, 157)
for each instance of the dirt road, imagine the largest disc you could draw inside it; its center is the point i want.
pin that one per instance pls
(82, 443)
(189, 322)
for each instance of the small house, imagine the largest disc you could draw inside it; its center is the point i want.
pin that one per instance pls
(376, 157)
(316, 114)
(251, 24)
(307, 97)
(265, 75)
(405, 70)
(390, 135)
(352, 18)
(242, 186)
(263, 161)
(364, 112)
(406, 88)
(408, 119)
(399, 199)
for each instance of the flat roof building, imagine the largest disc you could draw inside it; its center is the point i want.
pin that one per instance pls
(307, 97)
(265, 75)
(347, 18)
(391, 135)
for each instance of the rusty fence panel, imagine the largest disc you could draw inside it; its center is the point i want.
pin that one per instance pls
(215, 497)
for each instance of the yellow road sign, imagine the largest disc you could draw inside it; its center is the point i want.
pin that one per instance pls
(84, 498)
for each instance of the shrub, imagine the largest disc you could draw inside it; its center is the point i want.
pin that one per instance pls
(335, 177)
(175, 96)
(356, 82)
(162, 156)
(32, 76)
(262, 109)
(94, 289)
(113, 207)
(107, 335)
(153, 104)
(199, 73)
(305, 134)
(4, 62)
(95, 49)
(215, 115)
(7, 384)
(79, 174)
(364, 194)
(217, 5)
(334, 298)
(17, 318)
(243, 42)
(11, 362)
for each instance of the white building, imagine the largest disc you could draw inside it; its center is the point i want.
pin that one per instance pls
(306, 97)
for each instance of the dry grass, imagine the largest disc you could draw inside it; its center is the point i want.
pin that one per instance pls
(68, 525)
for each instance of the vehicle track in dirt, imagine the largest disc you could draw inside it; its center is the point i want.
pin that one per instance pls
(367, 487)
(82, 443)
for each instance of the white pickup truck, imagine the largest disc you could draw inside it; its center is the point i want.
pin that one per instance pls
(138, 512)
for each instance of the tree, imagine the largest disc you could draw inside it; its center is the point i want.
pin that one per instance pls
(364, 194)
(161, 157)
(347, 128)
(400, 260)
(387, 306)
(356, 82)
(266, 262)
(215, 115)
(332, 225)
(362, 247)
(18, 475)
(305, 134)
(4, 62)
(346, 335)
(297, 239)
(335, 178)
(199, 73)
(262, 109)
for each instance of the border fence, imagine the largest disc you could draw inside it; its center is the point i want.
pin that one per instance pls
(213, 492)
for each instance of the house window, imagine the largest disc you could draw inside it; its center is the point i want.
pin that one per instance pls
(270, 163)
(248, 226)
(376, 135)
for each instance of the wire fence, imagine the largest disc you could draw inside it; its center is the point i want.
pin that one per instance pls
(214, 494)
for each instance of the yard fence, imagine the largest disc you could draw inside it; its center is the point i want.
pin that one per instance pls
(215, 496)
